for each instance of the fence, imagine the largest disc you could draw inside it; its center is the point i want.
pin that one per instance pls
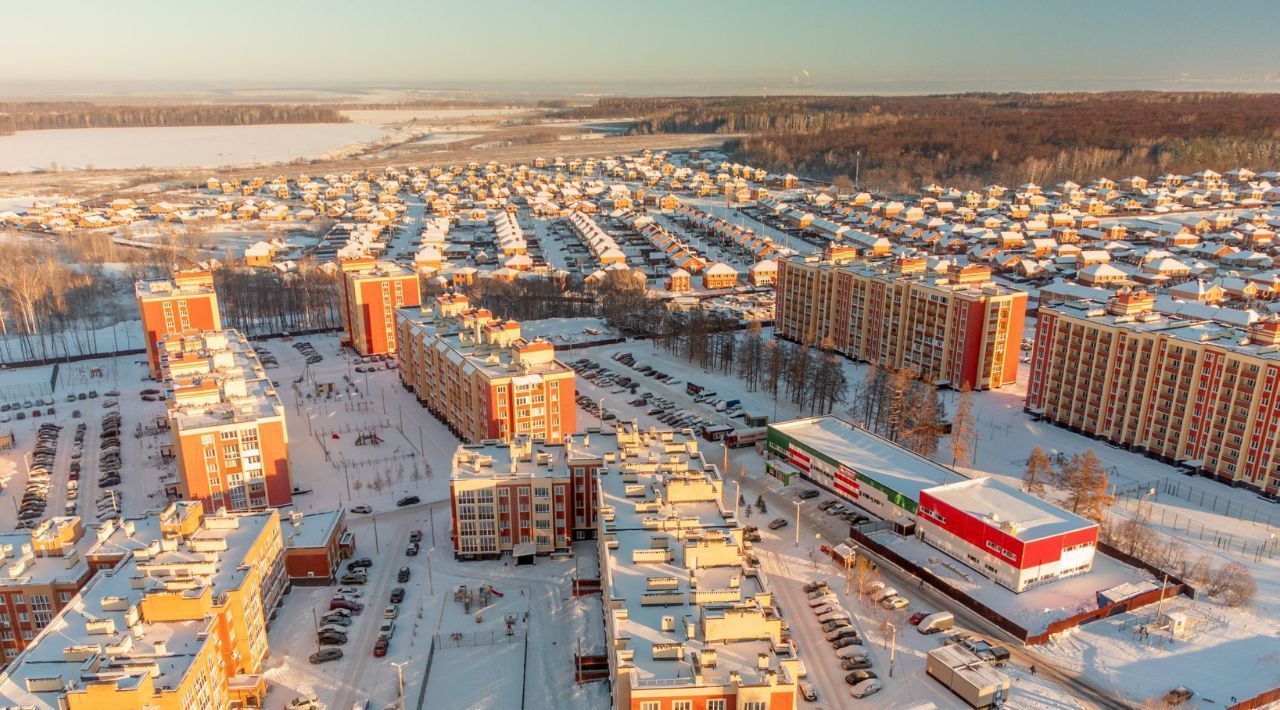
(459, 639)
(1228, 541)
(1216, 503)
(1258, 701)
(426, 675)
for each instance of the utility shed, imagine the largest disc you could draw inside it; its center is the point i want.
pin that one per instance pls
(972, 679)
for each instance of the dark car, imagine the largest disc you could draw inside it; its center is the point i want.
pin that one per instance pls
(847, 641)
(778, 523)
(397, 595)
(360, 563)
(858, 676)
(380, 647)
(415, 536)
(356, 578)
(855, 664)
(408, 500)
(403, 575)
(808, 494)
(917, 617)
(332, 638)
(325, 655)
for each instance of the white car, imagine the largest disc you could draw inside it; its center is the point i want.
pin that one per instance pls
(894, 602)
(824, 600)
(820, 610)
(833, 615)
(350, 592)
(865, 688)
(852, 652)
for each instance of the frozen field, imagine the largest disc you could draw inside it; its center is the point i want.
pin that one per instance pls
(166, 147)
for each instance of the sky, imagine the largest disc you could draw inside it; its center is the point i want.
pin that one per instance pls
(649, 46)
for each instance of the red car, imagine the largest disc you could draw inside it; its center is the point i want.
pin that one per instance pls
(353, 607)
(380, 648)
(917, 617)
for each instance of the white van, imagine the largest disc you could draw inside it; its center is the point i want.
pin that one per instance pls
(938, 621)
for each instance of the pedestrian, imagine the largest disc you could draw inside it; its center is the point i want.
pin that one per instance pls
(1033, 669)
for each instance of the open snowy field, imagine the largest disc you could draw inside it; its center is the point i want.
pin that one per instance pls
(168, 147)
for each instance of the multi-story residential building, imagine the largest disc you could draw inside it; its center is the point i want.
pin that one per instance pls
(480, 377)
(42, 569)
(953, 328)
(185, 303)
(176, 619)
(227, 422)
(1185, 390)
(690, 620)
(372, 290)
(525, 497)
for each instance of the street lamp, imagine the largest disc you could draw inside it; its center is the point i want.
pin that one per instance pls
(797, 523)
(400, 678)
(893, 648)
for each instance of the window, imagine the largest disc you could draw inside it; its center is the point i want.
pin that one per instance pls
(682, 705)
(754, 705)
(715, 704)
(650, 705)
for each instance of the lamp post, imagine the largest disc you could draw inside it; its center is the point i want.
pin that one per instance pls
(797, 523)
(893, 647)
(400, 679)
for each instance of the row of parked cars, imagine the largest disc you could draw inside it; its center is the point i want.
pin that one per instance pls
(308, 351)
(35, 497)
(647, 370)
(109, 460)
(837, 627)
(266, 357)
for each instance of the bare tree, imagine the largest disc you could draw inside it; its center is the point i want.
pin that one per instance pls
(1234, 583)
(963, 428)
(1086, 485)
(1038, 471)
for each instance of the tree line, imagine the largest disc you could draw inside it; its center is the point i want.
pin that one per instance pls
(900, 143)
(42, 115)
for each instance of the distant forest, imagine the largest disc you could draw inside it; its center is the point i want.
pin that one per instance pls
(966, 140)
(35, 116)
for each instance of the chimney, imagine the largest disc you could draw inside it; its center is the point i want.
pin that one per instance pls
(1128, 303)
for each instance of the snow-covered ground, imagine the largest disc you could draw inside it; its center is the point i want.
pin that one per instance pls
(163, 147)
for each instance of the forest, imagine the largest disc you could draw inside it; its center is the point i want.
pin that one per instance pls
(35, 116)
(897, 144)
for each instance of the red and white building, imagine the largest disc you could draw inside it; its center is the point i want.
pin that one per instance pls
(1012, 537)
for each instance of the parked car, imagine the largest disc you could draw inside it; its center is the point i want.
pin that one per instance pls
(353, 607)
(354, 578)
(397, 595)
(415, 536)
(859, 676)
(403, 575)
(380, 647)
(856, 663)
(778, 523)
(894, 602)
(865, 688)
(841, 632)
(846, 642)
(391, 612)
(807, 691)
(360, 563)
(408, 500)
(412, 549)
(325, 655)
(361, 509)
(808, 494)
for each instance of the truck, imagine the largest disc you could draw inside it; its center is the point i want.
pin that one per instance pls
(716, 432)
(742, 438)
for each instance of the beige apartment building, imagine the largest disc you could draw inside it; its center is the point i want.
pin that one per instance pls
(40, 571)
(957, 327)
(1193, 392)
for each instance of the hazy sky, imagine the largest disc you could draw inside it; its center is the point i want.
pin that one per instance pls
(931, 43)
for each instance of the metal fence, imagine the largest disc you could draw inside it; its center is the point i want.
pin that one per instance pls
(459, 639)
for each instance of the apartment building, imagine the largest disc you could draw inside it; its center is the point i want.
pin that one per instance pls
(956, 327)
(175, 620)
(524, 497)
(1181, 389)
(372, 290)
(479, 376)
(185, 303)
(690, 620)
(227, 423)
(40, 571)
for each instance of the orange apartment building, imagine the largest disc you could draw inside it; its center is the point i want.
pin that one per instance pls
(372, 290)
(176, 619)
(185, 303)
(40, 571)
(478, 375)
(227, 422)
(953, 328)
(1187, 391)
(526, 497)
